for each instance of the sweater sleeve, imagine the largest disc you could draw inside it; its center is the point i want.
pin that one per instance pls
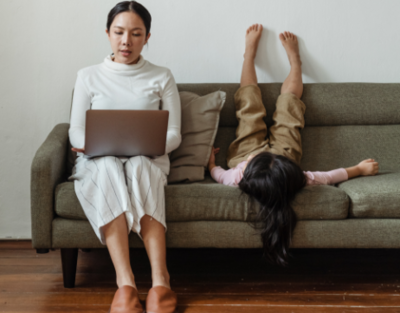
(326, 178)
(227, 177)
(172, 103)
(80, 104)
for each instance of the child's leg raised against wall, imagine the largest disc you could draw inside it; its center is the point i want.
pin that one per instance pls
(251, 132)
(285, 137)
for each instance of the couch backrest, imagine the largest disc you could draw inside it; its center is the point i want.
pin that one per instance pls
(345, 122)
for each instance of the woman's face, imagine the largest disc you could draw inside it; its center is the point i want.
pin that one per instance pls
(127, 36)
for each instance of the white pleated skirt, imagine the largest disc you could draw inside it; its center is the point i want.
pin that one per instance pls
(110, 186)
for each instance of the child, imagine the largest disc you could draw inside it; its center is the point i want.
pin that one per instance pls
(267, 168)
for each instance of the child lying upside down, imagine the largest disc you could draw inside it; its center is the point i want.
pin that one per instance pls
(265, 164)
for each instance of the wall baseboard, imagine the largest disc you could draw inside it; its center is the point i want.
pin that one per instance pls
(15, 244)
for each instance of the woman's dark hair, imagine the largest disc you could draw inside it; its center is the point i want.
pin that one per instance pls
(273, 181)
(130, 6)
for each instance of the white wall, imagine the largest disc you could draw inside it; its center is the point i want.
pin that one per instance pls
(45, 42)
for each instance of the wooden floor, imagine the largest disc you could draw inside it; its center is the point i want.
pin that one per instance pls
(208, 280)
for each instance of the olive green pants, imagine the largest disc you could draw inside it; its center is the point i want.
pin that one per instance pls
(252, 133)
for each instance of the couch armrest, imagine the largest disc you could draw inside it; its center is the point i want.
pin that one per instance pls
(47, 171)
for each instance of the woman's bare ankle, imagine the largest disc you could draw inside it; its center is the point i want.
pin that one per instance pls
(126, 280)
(161, 279)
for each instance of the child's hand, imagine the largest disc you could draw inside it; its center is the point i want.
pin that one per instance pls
(368, 167)
(211, 161)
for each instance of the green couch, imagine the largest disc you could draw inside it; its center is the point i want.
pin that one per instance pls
(345, 123)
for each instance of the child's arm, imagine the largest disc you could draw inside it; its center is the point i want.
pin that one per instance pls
(221, 176)
(211, 161)
(365, 168)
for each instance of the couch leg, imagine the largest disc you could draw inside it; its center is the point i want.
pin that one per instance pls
(69, 258)
(42, 251)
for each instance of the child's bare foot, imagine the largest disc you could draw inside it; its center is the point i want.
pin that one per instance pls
(291, 45)
(253, 35)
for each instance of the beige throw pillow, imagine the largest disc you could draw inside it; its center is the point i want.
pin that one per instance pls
(200, 118)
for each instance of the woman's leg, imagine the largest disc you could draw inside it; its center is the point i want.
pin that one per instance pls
(153, 234)
(251, 132)
(146, 184)
(116, 236)
(101, 189)
(160, 296)
(285, 137)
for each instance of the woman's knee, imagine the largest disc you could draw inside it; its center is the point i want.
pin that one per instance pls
(107, 166)
(108, 161)
(137, 162)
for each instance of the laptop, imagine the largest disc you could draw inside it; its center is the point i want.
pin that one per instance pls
(126, 132)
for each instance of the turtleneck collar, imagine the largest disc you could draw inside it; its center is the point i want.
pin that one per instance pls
(123, 69)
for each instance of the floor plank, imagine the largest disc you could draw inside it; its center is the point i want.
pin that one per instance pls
(101, 283)
(201, 309)
(104, 298)
(208, 280)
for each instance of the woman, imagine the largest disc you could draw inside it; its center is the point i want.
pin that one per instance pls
(120, 194)
(267, 168)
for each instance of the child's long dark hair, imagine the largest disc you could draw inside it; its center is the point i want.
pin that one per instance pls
(273, 181)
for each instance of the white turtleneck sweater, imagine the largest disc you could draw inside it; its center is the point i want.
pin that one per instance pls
(117, 86)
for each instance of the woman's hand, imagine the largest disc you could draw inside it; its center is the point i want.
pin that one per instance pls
(368, 167)
(211, 161)
(78, 150)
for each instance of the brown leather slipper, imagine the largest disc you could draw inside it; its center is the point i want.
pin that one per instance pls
(161, 300)
(126, 300)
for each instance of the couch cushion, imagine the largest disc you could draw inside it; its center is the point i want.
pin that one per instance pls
(200, 118)
(321, 202)
(209, 201)
(374, 196)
